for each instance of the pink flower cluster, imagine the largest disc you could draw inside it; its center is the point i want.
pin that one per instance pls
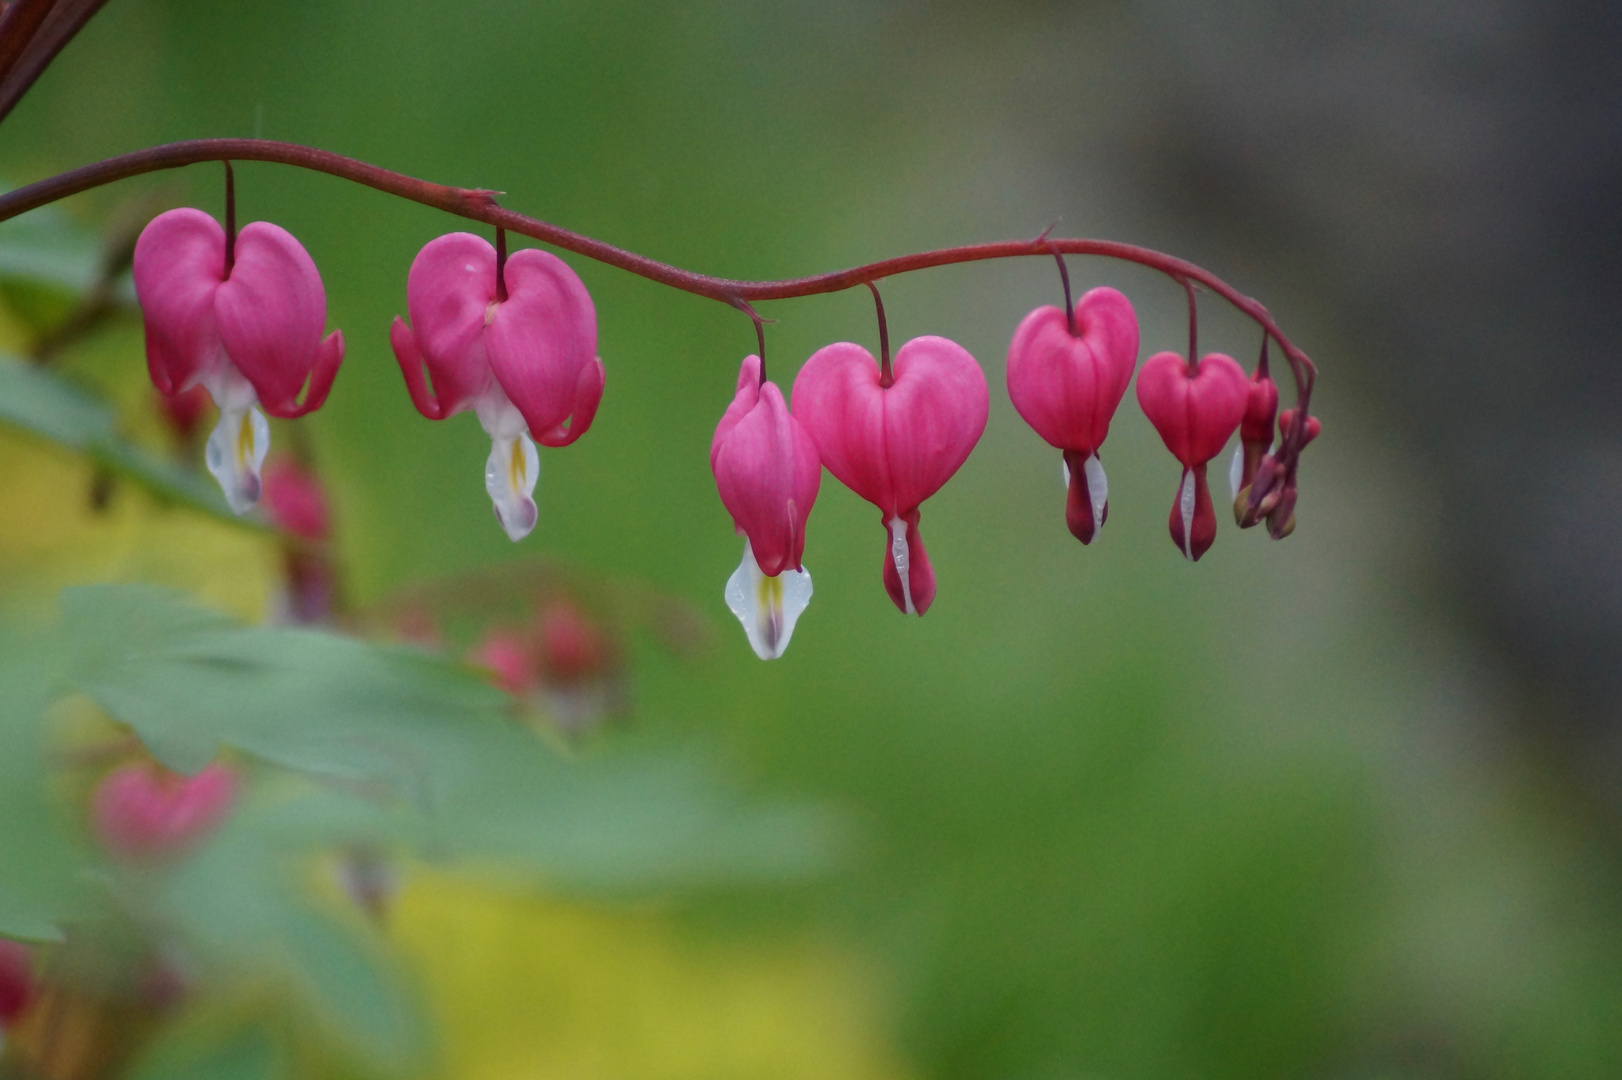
(515, 341)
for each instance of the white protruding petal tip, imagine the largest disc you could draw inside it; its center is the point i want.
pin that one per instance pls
(510, 474)
(1236, 470)
(768, 607)
(1185, 503)
(902, 557)
(235, 453)
(1098, 489)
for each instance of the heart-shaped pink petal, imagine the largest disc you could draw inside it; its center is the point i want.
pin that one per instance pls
(1068, 386)
(272, 310)
(542, 344)
(1195, 409)
(894, 446)
(449, 293)
(178, 266)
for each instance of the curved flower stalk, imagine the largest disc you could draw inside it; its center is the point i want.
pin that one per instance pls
(767, 471)
(1195, 407)
(514, 342)
(895, 439)
(1066, 377)
(242, 317)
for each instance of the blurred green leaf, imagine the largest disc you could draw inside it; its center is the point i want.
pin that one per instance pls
(42, 883)
(44, 405)
(427, 732)
(245, 1053)
(47, 246)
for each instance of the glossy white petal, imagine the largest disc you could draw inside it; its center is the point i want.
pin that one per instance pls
(768, 607)
(236, 450)
(509, 476)
(1097, 490)
(1185, 502)
(898, 554)
(1236, 470)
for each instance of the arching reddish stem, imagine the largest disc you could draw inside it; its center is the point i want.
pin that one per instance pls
(480, 205)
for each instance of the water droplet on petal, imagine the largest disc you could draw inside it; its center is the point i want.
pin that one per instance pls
(768, 607)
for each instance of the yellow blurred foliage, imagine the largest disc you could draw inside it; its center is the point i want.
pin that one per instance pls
(54, 534)
(529, 987)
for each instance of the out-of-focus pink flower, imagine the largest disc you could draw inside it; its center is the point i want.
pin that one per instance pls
(16, 981)
(895, 444)
(295, 501)
(1195, 408)
(526, 364)
(573, 646)
(767, 471)
(510, 658)
(1067, 383)
(250, 333)
(143, 811)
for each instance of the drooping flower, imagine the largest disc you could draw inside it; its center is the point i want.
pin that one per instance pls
(295, 501)
(1277, 502)
(767, 471)
(1195, 408)
(247, 329)
(526, 363)
(1067, 383)
(895, 441)
(143, 811)
(1255, 438)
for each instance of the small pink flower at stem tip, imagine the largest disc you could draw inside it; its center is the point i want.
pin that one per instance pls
(526, 364)
(251, 336)
(768, 472)
(895, 445)
(1067, 387)
(142, 811)
(1195, 408)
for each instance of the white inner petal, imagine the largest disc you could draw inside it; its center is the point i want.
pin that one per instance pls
(1097, 489)
(898, 554)
(1064, 467)
(1236, 470)
(1185, 501)
(509, 476)
(236, 450)
(768, 607)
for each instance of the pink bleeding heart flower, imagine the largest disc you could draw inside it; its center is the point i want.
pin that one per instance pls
(295, 500)
(525, 361)
(16, 981)
(248, 330)
(1255, 438)
(895, 441)
(509, 658)
(1067, 381)
(767, 471)
(1195, 408)
(143, 811)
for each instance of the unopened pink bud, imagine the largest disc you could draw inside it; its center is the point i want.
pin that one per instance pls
(143, 811)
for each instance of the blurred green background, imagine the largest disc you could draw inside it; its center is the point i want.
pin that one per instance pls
(1280, 814)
